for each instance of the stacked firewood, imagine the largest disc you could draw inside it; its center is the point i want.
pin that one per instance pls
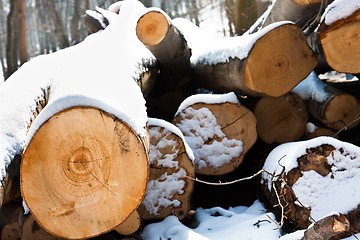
(216, 109)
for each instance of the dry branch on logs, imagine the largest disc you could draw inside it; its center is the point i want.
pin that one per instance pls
(169, 189)
(270, 62)
(334, 108)
(301, 177)
(281, 119)
(219, 130)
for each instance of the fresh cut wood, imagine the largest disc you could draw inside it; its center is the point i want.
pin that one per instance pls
(281, 119)
(269, 62)
(218, 129)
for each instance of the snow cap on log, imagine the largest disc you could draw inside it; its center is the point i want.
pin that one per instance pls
(339, 9)
(316, 170)
(218, 129)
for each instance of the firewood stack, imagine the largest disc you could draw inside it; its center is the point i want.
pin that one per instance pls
(214, 107)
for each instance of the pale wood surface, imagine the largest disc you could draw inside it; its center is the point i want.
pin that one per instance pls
(83, 173)
(130, 225)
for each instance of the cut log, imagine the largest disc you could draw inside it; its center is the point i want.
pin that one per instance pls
(269, 62)
(168, 190)
(156, 31)
(336, 109)
(332, 227)
(83, 159)
(130, 225)
(31, 230)
(218, 129)
(337, 40)
(281, 119)
(11, 218)
(301, 177)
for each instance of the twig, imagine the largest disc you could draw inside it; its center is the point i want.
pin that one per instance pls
(357, 118)
(311, 26)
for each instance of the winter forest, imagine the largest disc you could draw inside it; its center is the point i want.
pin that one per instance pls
(180, 119)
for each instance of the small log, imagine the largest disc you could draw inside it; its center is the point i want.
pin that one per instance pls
(281, 119)
(334, 108)
(218, 129)
(332, 227)
(336, 40)
(168, 190)
(269, 62)
(31, 230)
(130, 225)
(83, 159)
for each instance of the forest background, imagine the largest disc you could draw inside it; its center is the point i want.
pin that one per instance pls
(32, 27)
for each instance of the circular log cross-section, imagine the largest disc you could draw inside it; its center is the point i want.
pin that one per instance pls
(152, 28)
(271, 65)
(83, 173)
(341, 44)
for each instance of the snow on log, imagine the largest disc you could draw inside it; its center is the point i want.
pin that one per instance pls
(269, 62)
(336, 39)
(307, 181)
(87, 150)
(218, 129)
(281, 119)
(313, 131)
(171, 162)
(334, 108)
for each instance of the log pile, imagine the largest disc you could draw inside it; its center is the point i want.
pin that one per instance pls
(92, 162)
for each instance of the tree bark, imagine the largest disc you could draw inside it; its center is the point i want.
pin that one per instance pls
(281, 119)
(12, 40)
(245, 15)
(235, 127)
(22, 35)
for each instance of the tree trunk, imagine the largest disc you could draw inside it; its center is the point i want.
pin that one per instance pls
(268, 63)
(22, 36)
(219, 133)
(12, 40)
(281, 119)
(334, 108)
(245, 15)
(168, 190)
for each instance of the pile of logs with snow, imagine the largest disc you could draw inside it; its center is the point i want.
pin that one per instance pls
(108, 134)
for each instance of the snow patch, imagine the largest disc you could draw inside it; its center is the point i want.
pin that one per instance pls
(311, 88)
(339, 9)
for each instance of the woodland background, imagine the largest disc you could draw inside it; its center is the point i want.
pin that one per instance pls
(32, 27)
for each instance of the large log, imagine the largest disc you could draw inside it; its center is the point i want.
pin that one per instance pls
(218, 129)
(82, 148)
(334, 108)
(171, 163)
(306, 181)
(269, 62)
(336, 39)
(281, 119)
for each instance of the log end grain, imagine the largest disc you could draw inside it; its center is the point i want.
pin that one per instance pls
(152, 28)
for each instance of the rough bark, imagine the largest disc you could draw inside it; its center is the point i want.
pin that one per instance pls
(281, 119)
(245, 14)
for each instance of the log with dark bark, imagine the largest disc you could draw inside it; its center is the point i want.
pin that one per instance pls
(219, 133)
(336, 109)
(281, 119)
(276, 61)
(169, 189)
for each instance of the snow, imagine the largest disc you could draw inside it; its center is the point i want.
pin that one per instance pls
(310, 127)
(311, 88)
(160, 192)
(208, 49)
(217, 223)
(312, 189)
(200, 125)
(339, 9)
(92, 73)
